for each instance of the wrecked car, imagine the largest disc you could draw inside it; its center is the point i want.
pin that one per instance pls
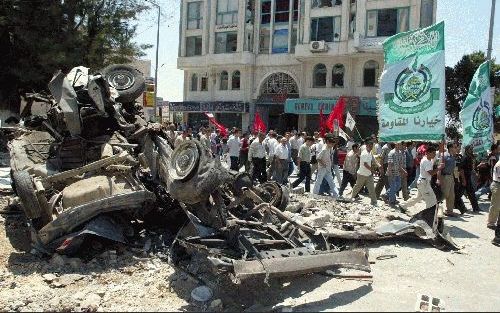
(92, 167)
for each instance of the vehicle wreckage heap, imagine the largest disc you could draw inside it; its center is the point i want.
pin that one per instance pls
(93, 168)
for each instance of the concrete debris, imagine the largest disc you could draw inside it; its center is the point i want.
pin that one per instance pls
(91, 303)
(201, 295)
(216, 306)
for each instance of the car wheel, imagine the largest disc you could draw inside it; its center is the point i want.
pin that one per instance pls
(128, 81)
(35, 207)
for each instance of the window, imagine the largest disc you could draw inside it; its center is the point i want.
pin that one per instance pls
(226, 42)
(325, 28)
(265, 15)
(280, 41)
(264, 39)
(426, 13)
(387, 22)
(325, 3)
(223, 80)
(282, 11)
(204, 84)
(235, 80)
(319, 76)
(193, 46)
(227, 11)
(195, 18)
(338, 76)
(194, 82)
(370, 74)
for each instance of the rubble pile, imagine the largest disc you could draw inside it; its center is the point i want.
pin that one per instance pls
(92, 173)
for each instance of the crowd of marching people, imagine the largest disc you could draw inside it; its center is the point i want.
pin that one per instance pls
(439, 172)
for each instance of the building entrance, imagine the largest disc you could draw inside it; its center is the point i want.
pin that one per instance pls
(277, 88)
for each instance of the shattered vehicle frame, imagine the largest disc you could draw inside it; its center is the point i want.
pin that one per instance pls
(93, 167)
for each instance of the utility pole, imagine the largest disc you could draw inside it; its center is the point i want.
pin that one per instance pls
(492, 22)
(157, 46)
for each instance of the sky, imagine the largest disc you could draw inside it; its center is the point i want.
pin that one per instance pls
(466, 31)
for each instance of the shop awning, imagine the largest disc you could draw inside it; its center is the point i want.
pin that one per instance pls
(214, 107)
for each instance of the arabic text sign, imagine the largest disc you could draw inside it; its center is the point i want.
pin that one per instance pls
(412, 91)
(477, 112)
(309, 106)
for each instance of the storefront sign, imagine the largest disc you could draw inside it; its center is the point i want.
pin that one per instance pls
(313, 106)
(226, 27)
(233, 107)
(368, 106)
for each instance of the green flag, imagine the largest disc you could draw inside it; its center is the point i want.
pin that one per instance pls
(477, 112)
(411, 104)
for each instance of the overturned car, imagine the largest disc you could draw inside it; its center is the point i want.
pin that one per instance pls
(92, 167)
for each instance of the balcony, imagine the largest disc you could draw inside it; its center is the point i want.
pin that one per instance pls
(238, 58)
(361, 43)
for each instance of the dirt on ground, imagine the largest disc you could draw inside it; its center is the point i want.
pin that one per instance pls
(124, 279)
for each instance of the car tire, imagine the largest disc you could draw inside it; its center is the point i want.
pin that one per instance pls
(34, 210)
(128, 81)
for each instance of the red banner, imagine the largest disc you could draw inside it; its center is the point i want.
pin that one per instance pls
(258, 124)
(222, 129)
(336, 115)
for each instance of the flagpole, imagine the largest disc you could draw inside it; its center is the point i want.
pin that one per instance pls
(358, 132)
(492, 22)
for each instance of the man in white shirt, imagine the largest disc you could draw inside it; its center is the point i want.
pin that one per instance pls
(365, 174)
(181, 138)
(233, 145)
(425, 191)
(325, 168)
(257, 155)
(295, 146)
(281, 155)
(272, 142)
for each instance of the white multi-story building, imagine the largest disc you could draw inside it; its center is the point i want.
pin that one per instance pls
(287, 58)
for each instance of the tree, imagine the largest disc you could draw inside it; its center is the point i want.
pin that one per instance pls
(39, 37)
(458, 79)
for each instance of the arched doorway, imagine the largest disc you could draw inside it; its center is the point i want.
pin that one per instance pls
(271, 103)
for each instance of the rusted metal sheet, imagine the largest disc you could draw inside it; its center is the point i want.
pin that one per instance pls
(289, 266)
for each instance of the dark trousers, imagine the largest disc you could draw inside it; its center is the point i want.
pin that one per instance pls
(235, 163)
(304, 173)
(459, 192)
(259, 170)
(471, 194)
(382, 182)
(347, 178)
(244, 161)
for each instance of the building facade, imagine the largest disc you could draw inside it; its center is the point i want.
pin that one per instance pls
(286, 59)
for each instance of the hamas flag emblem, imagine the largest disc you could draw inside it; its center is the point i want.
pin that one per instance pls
(481, 118)
(412, 91)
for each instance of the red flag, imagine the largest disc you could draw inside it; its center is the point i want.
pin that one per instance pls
(322, 123)
(258, 124)
(336, 114)
(220, 127)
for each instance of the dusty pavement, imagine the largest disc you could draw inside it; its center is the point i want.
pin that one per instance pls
(466, 281)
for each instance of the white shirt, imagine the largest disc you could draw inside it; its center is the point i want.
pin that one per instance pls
(326, 157)
(233, 145)
(294, 143)
(349, 145)
(256, 150)
(281, 152)
(496, 172)
(366, 157)
(414, 152)
(425, 166)
(301, 141)
(271, 145)
(179, 140)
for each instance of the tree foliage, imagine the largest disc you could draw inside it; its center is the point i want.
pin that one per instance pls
(458, 79)
(38, 37)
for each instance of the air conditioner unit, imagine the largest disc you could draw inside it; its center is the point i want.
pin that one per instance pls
(318, 46)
